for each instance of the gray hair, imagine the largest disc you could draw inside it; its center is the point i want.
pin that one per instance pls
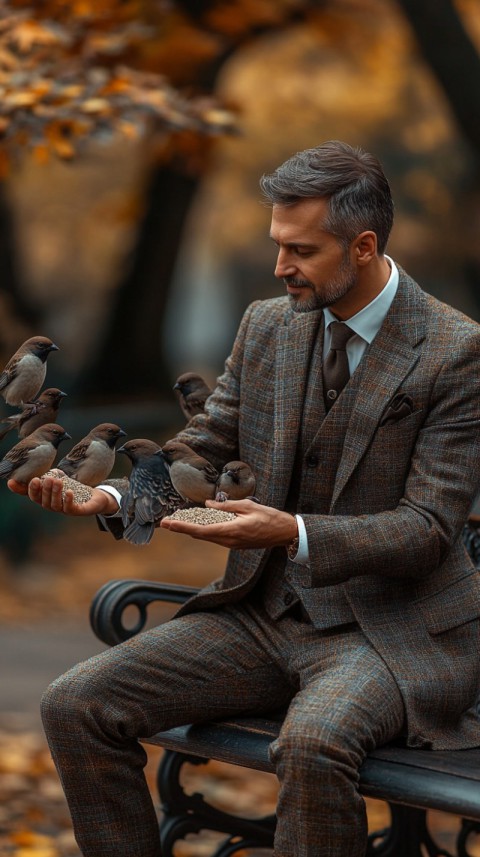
(353, 181)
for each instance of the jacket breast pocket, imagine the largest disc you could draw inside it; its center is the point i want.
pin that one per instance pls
(452, 606)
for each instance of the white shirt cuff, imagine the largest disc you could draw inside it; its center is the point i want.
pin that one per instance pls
(109, 489)
(302, 556)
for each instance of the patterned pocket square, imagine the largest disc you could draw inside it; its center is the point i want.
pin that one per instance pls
(399, 408)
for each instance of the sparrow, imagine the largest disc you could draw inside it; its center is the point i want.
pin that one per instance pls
(151, 495)
(236, 482)
(34, 414)
(24, 374)
(33, 455)
(92, 458)
(192, 476)
(192, 393)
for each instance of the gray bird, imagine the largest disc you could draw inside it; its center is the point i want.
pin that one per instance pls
(236, 482)
(192, 392)
(151, 495)
(192, 476)
(92, 458)
(34, 414)
(24, 374)
(33, 455)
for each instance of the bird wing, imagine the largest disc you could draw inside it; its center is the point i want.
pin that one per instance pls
(8, 373)
(79, 451)
(151, 495)
(74, 458)
(15, 458)
(211, 474)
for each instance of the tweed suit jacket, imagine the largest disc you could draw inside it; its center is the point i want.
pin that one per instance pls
(400, 494)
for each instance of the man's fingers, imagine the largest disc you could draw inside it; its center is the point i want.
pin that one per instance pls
(17, 487)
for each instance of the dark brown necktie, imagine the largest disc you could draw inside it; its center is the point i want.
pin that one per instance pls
(335, 368)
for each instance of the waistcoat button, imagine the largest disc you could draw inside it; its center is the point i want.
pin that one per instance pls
(312, 460)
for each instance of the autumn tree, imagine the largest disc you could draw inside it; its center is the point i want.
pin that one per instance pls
(75, 71)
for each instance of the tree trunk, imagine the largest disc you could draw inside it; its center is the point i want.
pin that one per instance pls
(453, 59)
(14, 307)
(129, 361)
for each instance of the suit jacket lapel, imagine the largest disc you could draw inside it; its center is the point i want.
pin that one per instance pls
(295, 342)
(392, 354)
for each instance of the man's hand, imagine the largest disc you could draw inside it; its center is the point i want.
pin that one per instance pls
(255, 526)
(48, 494)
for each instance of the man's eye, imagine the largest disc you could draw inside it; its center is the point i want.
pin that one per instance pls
(303, 253)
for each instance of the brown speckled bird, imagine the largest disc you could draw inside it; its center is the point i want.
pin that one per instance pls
(192, 476)
(192, 392)
(34, 414)
(24, 374)
(34, 455)
(236, 482)
(92, 458)
(151, 495)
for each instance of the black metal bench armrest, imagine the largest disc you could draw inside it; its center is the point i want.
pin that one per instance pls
(110, 602)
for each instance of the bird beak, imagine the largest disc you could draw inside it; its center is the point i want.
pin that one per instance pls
(54, 347)
(160, 452)
(233, 476)
(176, 387)
(121, 433)
(67, 436)
(62, 394)
(121, 449)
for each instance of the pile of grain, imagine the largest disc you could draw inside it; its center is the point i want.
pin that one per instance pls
(81, 493)
(200, 515)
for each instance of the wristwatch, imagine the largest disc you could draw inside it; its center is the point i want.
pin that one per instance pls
(292, 548)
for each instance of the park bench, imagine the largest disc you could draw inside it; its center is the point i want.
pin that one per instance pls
(410, 781)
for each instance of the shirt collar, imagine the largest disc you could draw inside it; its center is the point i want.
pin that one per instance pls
(367, 322)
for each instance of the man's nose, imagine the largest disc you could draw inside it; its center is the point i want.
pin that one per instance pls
(284, 266)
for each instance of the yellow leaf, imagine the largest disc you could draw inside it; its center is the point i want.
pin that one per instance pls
(29, 33)
(96, 105)
(20, 99)
(31, 844)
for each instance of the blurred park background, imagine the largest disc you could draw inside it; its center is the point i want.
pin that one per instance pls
(132, 233)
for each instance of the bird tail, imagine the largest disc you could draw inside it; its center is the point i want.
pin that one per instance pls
(139, 534)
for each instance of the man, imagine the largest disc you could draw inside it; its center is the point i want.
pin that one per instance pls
(348, 595)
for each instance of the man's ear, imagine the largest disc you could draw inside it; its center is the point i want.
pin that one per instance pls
(364, 248)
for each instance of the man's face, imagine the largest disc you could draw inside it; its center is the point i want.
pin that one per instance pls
(315, 268)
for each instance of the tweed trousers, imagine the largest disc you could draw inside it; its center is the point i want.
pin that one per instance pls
(342, 702)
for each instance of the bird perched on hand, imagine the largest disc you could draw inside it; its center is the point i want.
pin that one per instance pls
(34, 414)
(151, 495)
(33, 455)
(192, 476)
(236, 482)
(24, 374)
(192, 392)
(92, 458)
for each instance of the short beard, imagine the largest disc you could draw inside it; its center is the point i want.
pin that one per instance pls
(334, 290)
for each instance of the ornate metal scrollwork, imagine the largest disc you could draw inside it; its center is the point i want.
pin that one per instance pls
(467, 829)
(407, 836)
(183, 814)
